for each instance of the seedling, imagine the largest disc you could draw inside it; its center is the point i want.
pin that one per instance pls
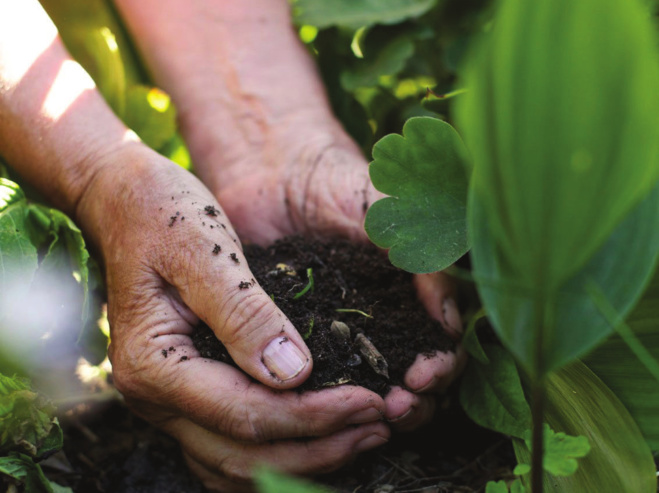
(354, 310)
(308, 287)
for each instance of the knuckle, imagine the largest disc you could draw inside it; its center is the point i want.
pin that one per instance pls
(244, 315)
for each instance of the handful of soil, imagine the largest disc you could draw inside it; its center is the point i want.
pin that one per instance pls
(358, 314)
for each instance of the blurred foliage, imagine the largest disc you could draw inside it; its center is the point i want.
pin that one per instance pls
(377, 74)
(28, 434)
(44, 255)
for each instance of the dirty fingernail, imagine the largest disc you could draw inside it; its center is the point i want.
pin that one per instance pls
(370, 442)
(452, 315)
(284, 359)
(364, 416)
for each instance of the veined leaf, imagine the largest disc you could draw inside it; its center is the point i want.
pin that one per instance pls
(578, 403)
(562, 116)
(615, 364)
(354, 14)
(621, 269)
(492, 394)
(423, 223)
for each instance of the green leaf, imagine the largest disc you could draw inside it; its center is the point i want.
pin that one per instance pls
(615, 364)
(470, 341)
(496, 487)
(561, 452)
(389, 60)
(21, 468)
(270, 481)
(517, 486)
(150, 113)
(26, 420)
(492, 394)
(620, 269)
(354, 14)
(578, 403)
(423, 223)
(564, 130)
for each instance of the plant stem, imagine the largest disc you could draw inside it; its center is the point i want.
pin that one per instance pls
(537, 451)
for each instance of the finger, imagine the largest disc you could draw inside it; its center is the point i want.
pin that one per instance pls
(435, 374)
(406, 411)
(209, 270)
(437, 293)
(222, 398)
(235, 462)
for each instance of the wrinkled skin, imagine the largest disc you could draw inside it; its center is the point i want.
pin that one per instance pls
(268, 150)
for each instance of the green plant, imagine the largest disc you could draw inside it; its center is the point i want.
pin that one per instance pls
(559, 264)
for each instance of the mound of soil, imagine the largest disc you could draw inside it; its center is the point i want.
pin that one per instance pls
(319, 283)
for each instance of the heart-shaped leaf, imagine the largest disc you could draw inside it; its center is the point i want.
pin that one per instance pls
(423, 223)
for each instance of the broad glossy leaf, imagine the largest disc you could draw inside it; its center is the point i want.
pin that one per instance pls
(578, 403)
(562, 117)
(492, 395)
(423, 223)
(615, 364)
(354, 14)
(621, 269)
(270, 481)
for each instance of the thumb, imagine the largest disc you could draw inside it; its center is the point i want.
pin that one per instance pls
(213, 279)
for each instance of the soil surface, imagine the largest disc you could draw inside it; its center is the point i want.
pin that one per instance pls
(107, 449)
(382, 325)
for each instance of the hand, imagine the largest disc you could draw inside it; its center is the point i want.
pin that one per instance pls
(149, 220)
(323, 179)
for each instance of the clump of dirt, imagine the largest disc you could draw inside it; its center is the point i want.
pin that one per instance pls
(319, 283)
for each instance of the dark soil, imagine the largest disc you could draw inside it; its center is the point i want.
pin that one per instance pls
(107, 449)
(380, 301)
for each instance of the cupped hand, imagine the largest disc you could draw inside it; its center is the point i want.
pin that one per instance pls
(171, 258)
(315, 181)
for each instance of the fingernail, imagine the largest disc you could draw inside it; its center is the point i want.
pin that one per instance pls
(284, 359)
(430, 385)
(364, 416)
(370, 442)
(403, 416)
(452, 315)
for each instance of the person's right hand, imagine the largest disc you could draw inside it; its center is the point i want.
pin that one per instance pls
(149, 220)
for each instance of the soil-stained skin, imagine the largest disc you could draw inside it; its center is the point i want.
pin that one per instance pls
(354, 285)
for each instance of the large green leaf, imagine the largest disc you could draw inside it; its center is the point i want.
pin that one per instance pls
(615, 364)
(43, 259)
(621, 269)
(578, 403)
(423, 223)
(357, 13)
(562, 117)
(492, 394)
